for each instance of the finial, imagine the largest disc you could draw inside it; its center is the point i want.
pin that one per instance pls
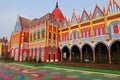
(73, 10)
(57, 4)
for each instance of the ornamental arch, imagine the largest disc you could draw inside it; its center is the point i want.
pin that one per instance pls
(101, 53)
(65, 53)
(87, 53)
(75, 53)
(115, 52)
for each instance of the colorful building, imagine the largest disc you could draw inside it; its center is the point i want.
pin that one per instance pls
(92, 37)
(3, 47)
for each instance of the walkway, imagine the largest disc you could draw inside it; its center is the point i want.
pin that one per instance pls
(20, 72)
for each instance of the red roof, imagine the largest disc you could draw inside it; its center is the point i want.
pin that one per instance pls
(57, 13)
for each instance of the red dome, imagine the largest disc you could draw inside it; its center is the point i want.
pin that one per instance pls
(57, 13)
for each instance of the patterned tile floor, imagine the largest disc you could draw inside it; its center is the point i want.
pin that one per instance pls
(20, 72)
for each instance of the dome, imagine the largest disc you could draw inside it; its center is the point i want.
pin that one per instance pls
(57, 13)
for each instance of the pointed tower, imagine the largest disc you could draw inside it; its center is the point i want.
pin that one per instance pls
(57, 13)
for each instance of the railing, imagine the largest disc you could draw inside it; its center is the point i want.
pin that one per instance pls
(85, 40)
(115, 36)
(65, 42)
(100, 38)
(75, 41)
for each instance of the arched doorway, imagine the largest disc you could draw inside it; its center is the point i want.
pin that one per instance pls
(75, 54)
(87, 53)
(115, 52)
(101, 53)
(65, 54)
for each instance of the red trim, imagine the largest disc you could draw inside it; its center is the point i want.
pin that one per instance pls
(98, 21)
(65, 29)
(85, 24)
(113, 17)
(73, 27)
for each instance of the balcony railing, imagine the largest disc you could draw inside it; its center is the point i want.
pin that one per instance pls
(100, 38)
(75, 41)
(115, 36)
(86, 40)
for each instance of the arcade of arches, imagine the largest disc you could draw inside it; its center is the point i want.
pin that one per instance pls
(101, 53)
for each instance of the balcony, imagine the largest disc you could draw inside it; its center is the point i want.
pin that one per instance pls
(64, 42)
(86, 40)
(75, 41)
(100, 38)
(115, 36)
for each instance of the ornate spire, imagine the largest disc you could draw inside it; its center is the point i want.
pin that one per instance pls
(57, 4)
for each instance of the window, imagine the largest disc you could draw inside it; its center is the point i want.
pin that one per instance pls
(34, 35)
(49, 35)
(54, 49)
(96, 32)
(38, 33)
(116, 30)
(66, 38)
(87, 34)
(74, 36)
(54, 36)
(25, 39)
(31, 36)
(101, 31)
(83, 34)
(43, 34)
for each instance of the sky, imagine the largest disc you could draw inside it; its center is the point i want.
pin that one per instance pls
(10, 9)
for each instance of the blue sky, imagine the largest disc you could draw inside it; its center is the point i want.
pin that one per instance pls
(9, 10)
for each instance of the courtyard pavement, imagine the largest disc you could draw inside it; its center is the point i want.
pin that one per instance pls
(12, 71)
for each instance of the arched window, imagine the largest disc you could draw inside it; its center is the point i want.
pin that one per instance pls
(74, 35)
(115, 28)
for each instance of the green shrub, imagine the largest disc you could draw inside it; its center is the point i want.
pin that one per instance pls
(26, 59)
(31, 59)
(8, 58)
(12, 59)
(34, 59)
(39, 60)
